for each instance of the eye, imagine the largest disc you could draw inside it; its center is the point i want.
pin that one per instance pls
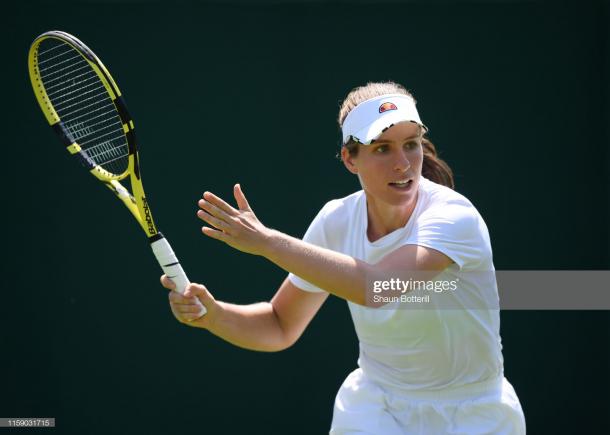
(380, 149)
(411, 145)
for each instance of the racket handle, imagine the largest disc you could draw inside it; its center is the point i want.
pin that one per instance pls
(170, 264)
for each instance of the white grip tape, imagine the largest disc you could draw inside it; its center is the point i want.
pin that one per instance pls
(170, 265)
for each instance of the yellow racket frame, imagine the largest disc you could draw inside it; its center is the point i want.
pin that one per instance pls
(136, 202)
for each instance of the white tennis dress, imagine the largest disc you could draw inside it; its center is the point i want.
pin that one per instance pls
(432, 370)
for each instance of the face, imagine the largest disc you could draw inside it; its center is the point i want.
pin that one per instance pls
(389, 169)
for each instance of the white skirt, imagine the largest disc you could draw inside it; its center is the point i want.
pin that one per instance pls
(364, 407)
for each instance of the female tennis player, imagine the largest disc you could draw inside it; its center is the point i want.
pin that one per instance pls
(433, 370)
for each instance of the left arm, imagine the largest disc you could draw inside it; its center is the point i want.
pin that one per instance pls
(339, 274)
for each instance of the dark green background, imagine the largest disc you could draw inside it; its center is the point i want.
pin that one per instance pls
(516, 94)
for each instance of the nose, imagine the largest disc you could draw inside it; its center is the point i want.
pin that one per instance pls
(402, 163)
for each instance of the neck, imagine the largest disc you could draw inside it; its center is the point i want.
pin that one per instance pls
(385, 218)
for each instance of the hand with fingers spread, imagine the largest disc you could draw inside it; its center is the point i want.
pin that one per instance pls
(238, 228)
(188, 307)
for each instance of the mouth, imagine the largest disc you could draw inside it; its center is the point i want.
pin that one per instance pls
(402, 184)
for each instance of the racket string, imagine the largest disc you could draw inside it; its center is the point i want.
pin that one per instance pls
(98, 116)
(62, 90)
(102, 135)
(81, 62)
(53, 57)
(71, 79)
(78, 56)
(96, 110)
(63, 76)
(53, 48)
(80, 99)
(61, 94)
(108, 152)
(87, 130)
(78, 102)
(113, 160)
(67, 115)
(80, 131)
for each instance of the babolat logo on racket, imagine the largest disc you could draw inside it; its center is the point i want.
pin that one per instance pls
(387, 106)
(148, 217)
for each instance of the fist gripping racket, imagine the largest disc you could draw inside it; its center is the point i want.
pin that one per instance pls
(84, 107)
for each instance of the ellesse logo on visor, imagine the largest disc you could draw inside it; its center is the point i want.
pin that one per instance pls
(387, 106)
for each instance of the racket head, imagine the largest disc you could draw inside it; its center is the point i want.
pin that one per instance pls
(83, 105)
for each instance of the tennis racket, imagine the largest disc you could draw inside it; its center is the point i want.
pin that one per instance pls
(84, 107)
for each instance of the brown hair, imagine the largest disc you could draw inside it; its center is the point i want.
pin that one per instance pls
(433, 167)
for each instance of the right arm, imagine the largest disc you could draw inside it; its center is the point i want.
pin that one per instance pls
(264, 326)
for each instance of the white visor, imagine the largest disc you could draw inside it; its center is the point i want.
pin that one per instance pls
(369, 119)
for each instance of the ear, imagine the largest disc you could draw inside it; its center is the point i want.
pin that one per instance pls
(348, 161)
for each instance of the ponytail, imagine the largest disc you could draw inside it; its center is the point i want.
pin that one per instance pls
(435, 169)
